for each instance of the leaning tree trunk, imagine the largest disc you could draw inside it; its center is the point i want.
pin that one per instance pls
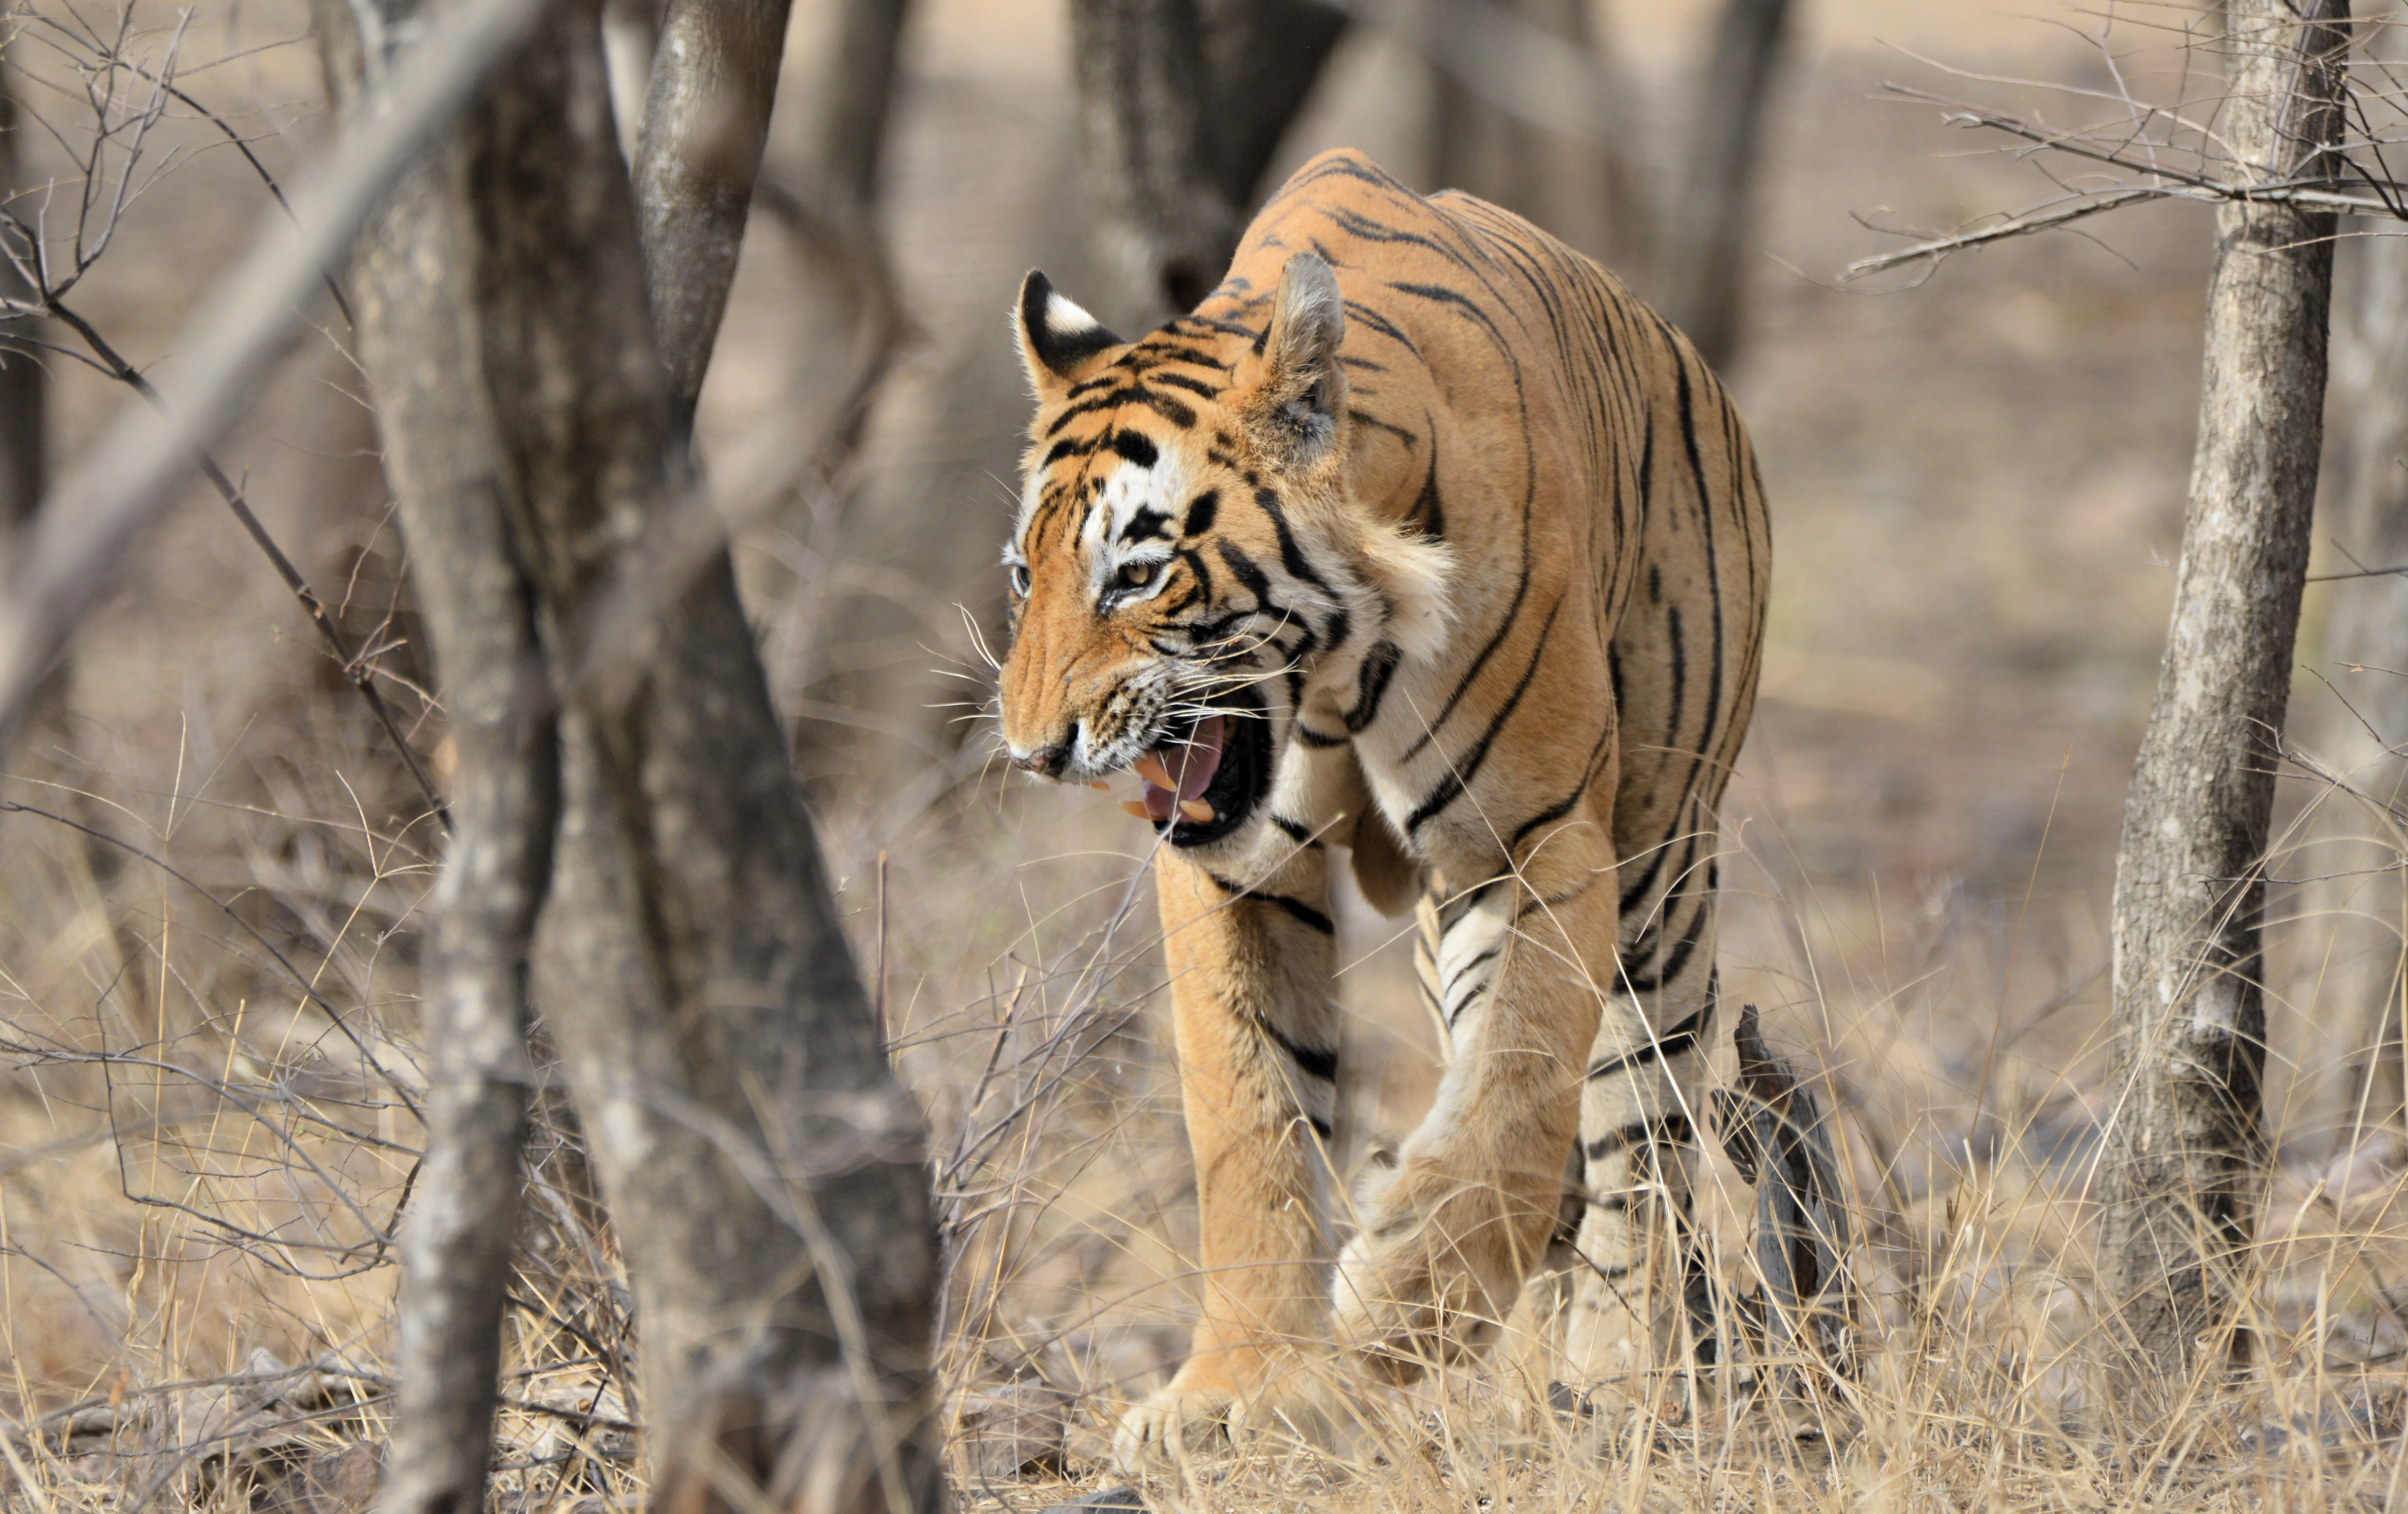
(2185, 1148)
(764, 1170)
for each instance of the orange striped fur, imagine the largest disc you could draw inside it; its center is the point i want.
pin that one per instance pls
(1430, 543)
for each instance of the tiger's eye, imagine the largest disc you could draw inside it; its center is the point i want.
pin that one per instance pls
(1020, 578)
(1136, 575)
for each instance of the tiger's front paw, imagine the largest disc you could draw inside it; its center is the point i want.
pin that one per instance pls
(1229, 1392)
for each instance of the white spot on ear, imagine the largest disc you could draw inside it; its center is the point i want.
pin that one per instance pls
(1066, 317)
(1414, 573)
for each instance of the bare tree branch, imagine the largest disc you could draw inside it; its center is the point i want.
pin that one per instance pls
(2318, 191)
(359, 669)
(245, 324)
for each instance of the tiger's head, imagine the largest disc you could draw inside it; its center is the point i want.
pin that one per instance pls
(1194, 586)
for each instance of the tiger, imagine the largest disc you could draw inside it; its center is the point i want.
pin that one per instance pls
(1420, 538)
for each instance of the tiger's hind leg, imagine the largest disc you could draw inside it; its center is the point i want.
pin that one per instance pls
(1451, 1225)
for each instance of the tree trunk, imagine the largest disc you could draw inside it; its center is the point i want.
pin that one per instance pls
(856, 96)
(706, 117)
(23, 460)
(1181, 104)
(24, 403)
(2353, 913)
(1166, 227)
(1261, 60)
(418, 340)
(2185, 1148)
(1592, 193)
(1707, 214)
(763, 1169)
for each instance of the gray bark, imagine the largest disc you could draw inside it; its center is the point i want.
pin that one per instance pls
(1261, 59)
(1708, 212)
(706, 119)
(763, 1167)
(1181, 104)
(847, 144)
(1591, 193)
(1166, 228)
(2185, 1149)
(418, 340)
(2352, 935)
(23, 460)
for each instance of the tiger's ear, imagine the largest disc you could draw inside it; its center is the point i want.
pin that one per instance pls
(1059, 343)
(1301, 391)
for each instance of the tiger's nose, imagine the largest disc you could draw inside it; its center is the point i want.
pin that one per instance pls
(1046, 761)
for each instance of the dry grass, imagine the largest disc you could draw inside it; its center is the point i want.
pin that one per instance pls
(1970, 1162)
(204, 1128)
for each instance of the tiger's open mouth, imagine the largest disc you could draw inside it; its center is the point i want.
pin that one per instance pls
(1203, 781)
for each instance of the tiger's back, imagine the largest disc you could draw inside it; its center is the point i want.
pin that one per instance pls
(1512, 398)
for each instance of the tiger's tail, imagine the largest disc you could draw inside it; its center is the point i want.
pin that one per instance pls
(1805, 1312)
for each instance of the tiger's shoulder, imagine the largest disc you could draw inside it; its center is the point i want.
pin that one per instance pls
(1459, 313)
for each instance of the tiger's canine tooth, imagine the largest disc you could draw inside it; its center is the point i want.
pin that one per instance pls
(1197, 810)
(1137, 809)
(1154, 770)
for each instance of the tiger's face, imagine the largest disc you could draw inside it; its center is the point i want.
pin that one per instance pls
(1187, 567)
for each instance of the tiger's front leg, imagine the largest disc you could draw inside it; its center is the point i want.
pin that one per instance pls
(1257, 1032)
(1450, 1227)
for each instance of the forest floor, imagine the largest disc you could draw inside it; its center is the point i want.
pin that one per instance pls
(1977, 481)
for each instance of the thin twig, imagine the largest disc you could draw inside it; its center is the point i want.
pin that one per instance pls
(244, 324)
(359, 668)
(400, 1090)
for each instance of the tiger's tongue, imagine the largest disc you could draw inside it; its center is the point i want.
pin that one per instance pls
(1188, 767)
